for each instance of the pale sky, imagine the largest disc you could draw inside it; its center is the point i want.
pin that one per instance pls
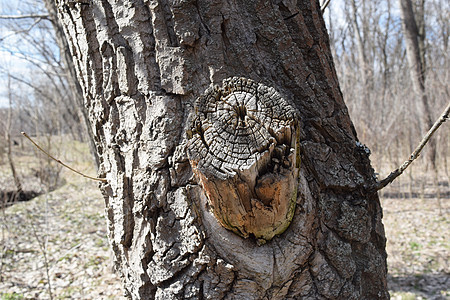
(11, 45)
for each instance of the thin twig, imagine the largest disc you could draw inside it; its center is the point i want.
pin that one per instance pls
(64, 255)
(31, 16)
(324, 6)
(43, 247)
(394, 174)
(27, 30)
(60, 162)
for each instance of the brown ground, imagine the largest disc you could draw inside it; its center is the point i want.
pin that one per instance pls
(417, 229)
(63, 233)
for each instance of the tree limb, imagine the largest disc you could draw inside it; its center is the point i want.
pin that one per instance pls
(24, 30)
(394, 174)
(60, 162)
(324, 5)
(18, 17)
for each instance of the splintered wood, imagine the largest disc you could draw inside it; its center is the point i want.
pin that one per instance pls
(244, 153)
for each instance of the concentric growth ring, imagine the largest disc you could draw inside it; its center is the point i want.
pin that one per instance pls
(243, 133)
(237, 123)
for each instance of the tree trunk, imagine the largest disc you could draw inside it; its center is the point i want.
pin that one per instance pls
(416, 59)
(9, 143)
(419, 17)
(362, 57)
(142, 65)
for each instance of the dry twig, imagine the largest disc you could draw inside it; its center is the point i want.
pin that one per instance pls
(60, 162)
(394, 174)
(324, 5)
(43, 246)
(30, 16)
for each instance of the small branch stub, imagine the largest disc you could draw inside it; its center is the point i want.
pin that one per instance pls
(244, 152)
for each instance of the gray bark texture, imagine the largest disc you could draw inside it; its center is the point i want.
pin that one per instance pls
(142, 65)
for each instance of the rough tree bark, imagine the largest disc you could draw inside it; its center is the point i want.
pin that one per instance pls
(141, 65)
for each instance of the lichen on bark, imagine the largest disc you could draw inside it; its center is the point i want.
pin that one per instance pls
(244, 152)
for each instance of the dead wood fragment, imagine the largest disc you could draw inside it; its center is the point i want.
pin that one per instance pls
(244, 150)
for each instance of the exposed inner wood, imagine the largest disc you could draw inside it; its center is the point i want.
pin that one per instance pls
(244, 153)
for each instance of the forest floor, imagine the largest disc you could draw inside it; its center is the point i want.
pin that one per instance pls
(417, 227)
(56, 244)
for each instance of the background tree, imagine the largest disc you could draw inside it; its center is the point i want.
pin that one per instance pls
(141, 65)
(50, 102)
(75, 88)
(9, 144)
(414, 33)
(390, 133)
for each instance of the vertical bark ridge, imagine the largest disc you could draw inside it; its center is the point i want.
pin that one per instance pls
(68, 20)
(89, 55)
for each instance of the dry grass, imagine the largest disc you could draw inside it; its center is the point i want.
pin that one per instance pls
(68, 226)
(417, 228)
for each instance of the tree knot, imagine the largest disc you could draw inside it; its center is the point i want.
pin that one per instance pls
(244, 153)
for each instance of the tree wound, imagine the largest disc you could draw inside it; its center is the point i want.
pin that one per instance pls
(244, 153)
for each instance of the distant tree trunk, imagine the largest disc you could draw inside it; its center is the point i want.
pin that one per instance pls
(8, 139)
(362, 57)
(416, 59)
(141, 65)
(77, 91)
(419, 17)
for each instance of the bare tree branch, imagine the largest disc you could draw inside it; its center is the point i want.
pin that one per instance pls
(18, 17)
(34, 87)
(324, 5)
(394, 174)
(60, 162)
(22, 31)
